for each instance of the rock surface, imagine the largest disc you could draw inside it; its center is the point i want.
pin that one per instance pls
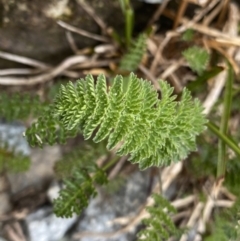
(29, 27)
(43, 225)
(102, 210)
(42, 160)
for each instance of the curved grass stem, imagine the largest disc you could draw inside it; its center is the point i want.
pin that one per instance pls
(226, 139)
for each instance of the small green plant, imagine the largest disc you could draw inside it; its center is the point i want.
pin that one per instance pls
(10, 109)
(79, 188)
(133, 57)
(135, 122)
(154, 132)
(159, 226)
(188, 35)
(227, 225)
(197, 58)
(48, 130)
(130, 119)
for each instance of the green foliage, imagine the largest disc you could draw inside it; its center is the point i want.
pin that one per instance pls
(16, 107)
(197, 58)
(19, 106)
(154, 132)
(232, 178)
(227, 225)
(79, 188)
(132, 59)
(115, 184)
(88, 152)
(200, 82)
(48, 130)
(159, 225)
(206, 158)
(188, 35)
(13, 162)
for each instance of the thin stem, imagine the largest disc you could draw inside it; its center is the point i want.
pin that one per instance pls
(231, 143)
(129, 25)
(129, 19)
(222, 157)
(111, 163)
(122, 5)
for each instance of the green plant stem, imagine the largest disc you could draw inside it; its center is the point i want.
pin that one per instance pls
(122, 5)
(129, 17)
(111, 163)
(129, 26)
(222, 157)
(224, 137)
(200, 81)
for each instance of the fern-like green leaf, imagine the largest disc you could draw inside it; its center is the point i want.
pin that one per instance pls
(48, 130)
(197, 58)
(78, 190)
(80, 173)
(154, 132)
(132, 59)
(19, 106)
(159, 226)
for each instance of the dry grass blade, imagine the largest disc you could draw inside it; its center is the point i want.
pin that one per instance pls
(95, 64)
(215, 45)
(171, 69)
(67, 63)
(94, 15)
(175, 81)
(23, 71)
(193, 219)
(158, 58)
(232, 30)
(214, 92)
(23, 60)
(225, 4)
(158, 13)
(184, 202)
(188, 23)
(180, 13)
(149, 76)
(71, 42)
(205, 10)
(211, 32)
(41, 67)
(82, 32)
(15, 232)
(116, 169)
(220, 36)
(209, 18)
